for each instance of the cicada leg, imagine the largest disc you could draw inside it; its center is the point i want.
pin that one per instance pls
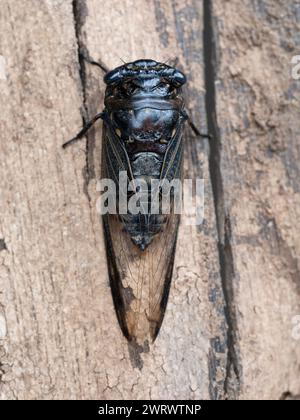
(84, 129)
(195, 129)
(99, 64)
(197, 132)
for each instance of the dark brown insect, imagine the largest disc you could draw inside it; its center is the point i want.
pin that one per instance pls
(143, 119)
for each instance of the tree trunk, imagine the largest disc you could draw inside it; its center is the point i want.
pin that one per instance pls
(230, 326)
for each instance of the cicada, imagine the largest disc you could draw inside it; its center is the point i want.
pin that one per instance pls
(143, 121)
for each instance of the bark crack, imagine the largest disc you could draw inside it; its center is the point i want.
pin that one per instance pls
(79, 14)
(287, 395)
(233, 367)
(3, 246)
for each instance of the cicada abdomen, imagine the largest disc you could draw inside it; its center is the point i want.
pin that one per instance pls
(142, 137)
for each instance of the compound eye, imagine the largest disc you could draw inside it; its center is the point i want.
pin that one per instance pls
(179, 78)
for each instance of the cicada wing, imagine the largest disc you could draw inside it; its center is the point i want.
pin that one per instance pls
(140, 279)
(114, 156)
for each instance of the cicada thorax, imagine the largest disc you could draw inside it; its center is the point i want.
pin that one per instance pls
(144, 119)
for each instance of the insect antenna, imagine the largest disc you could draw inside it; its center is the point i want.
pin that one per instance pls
(167, 61)
(121, 59)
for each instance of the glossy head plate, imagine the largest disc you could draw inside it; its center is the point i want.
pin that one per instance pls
(145, 68)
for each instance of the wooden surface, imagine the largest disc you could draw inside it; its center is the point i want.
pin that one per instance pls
(227, 332)
(257, 104)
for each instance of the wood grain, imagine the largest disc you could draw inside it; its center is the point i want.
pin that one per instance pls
(62, 338)
(228, 329)
(257, 185)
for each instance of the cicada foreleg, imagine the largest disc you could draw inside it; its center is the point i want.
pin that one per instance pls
(195, 129)
(197, 132)
(83, 131)
(98, 63)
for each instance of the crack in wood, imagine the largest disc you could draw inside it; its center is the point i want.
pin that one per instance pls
(233, 368)
(287, 395)
(3, 246)
(80, 13)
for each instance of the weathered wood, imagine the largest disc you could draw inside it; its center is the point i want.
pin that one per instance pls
(227, 332)
(133, 31)
(256, 182)
(61, 338)
(50, 269)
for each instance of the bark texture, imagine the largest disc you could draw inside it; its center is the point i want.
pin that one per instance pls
(228, 329)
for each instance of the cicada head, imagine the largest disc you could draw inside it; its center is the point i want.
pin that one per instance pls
(144, 78)
(145, 104)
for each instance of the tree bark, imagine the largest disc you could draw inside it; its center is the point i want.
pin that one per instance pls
(254, 117)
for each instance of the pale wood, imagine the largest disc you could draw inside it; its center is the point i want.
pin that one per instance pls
(59, 336)
(62, 339)
(258, 116)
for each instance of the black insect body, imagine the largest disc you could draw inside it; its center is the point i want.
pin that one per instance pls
(143, 120)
